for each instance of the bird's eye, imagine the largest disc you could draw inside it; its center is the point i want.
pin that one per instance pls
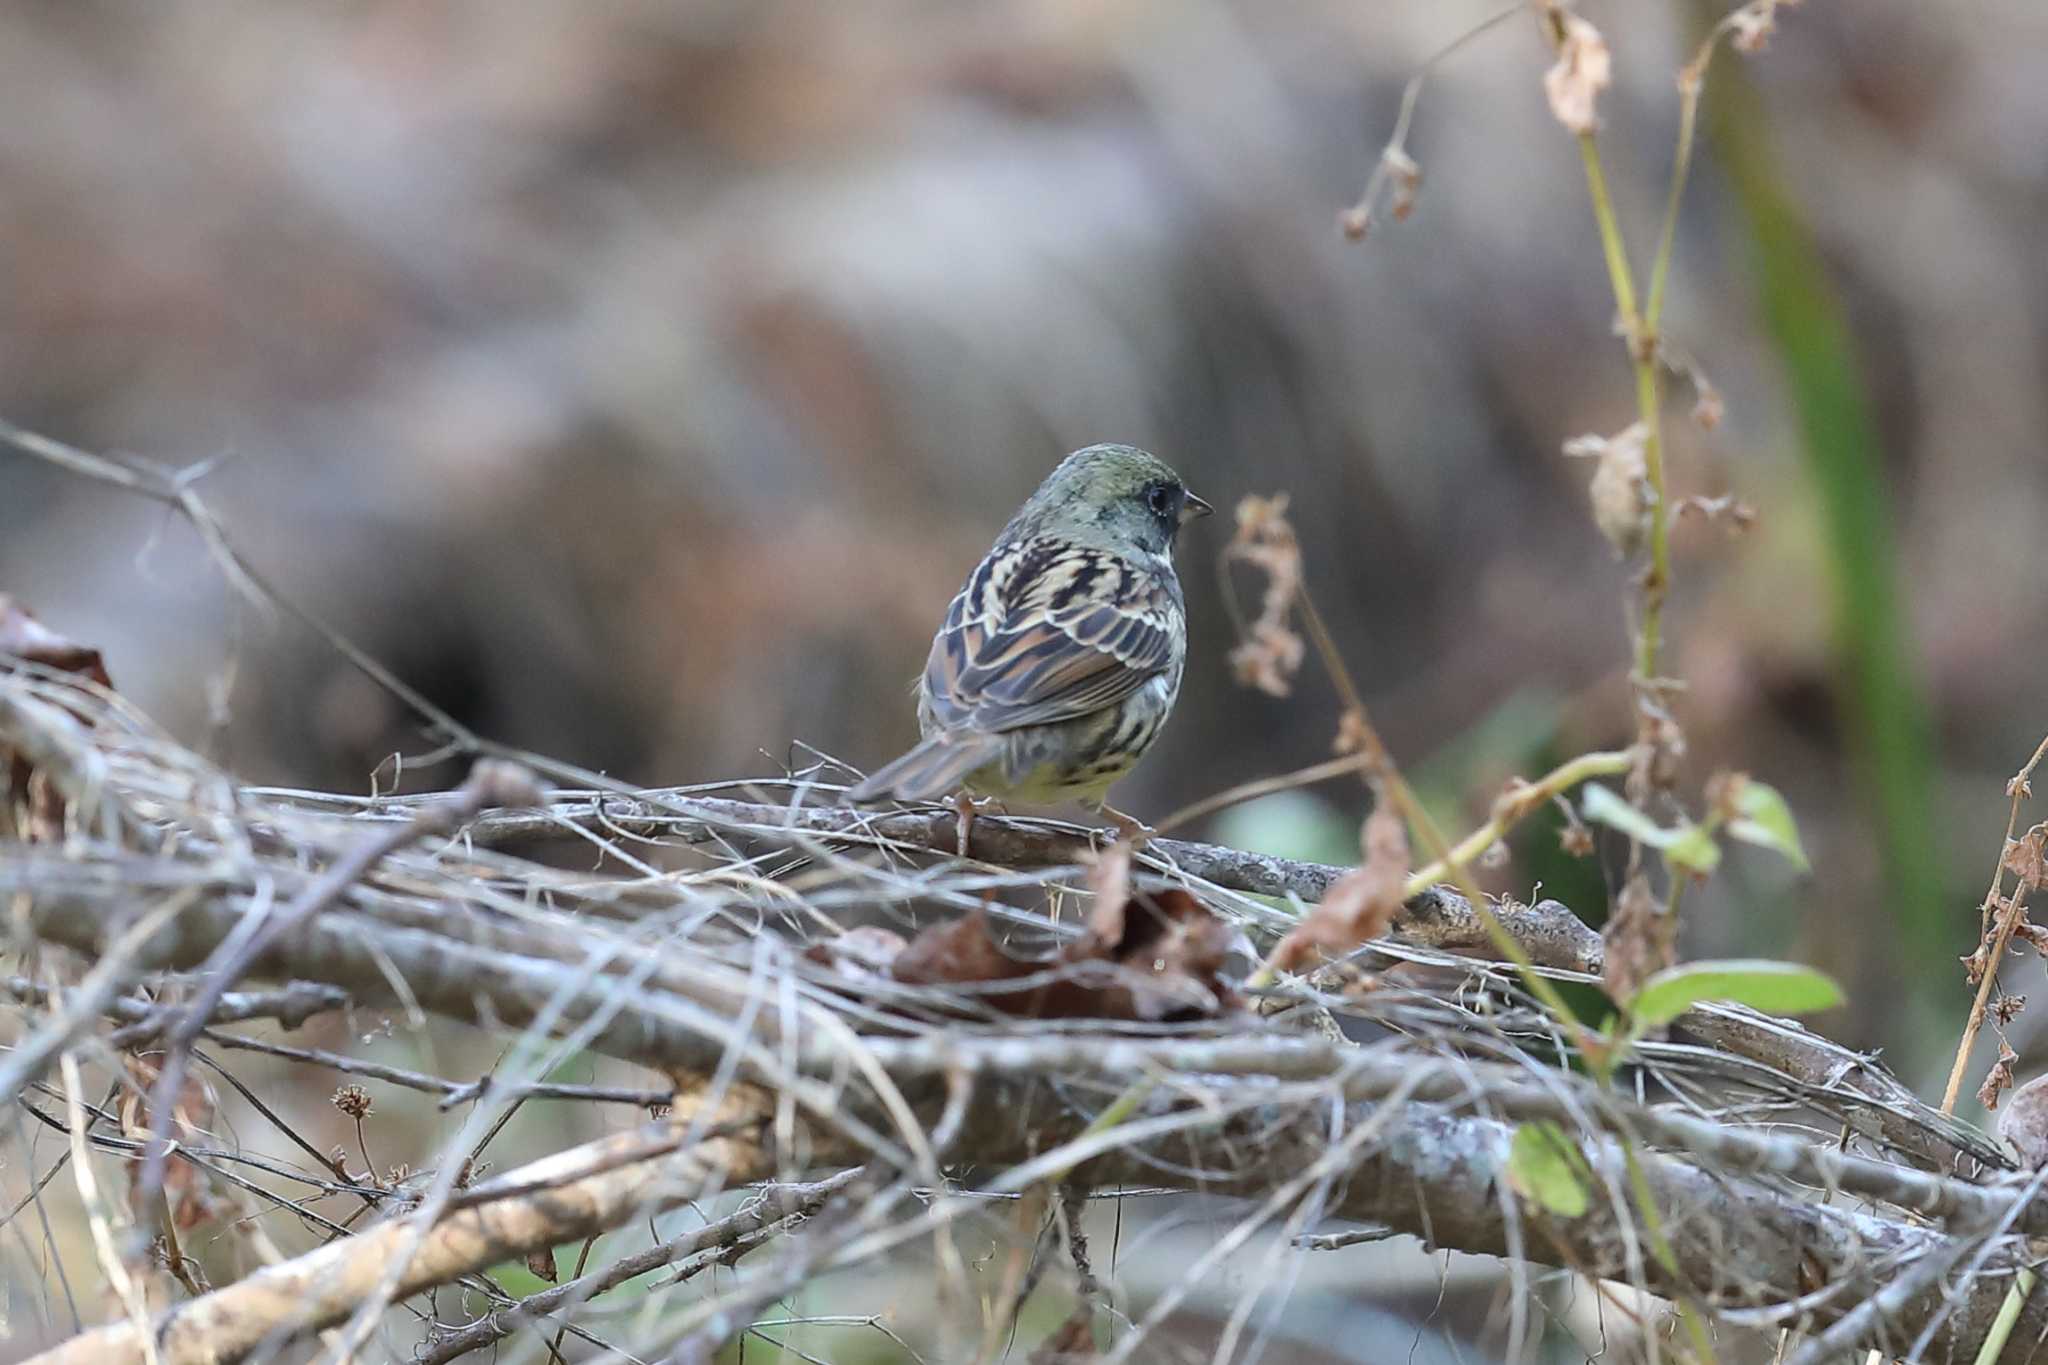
(1159, 497)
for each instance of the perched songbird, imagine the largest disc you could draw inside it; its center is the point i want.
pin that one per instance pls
(1061, 657)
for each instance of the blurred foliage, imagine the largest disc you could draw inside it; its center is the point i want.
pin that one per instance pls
(1889, 739)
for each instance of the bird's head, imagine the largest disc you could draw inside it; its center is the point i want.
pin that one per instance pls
(1119, 498)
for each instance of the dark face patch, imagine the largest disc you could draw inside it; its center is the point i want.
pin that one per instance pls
(1150, 513)
(1164, 500)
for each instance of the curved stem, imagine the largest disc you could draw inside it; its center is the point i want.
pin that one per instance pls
(1509, 813)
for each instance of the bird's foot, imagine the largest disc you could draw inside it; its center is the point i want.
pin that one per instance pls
(967, 808)
(1129, 828)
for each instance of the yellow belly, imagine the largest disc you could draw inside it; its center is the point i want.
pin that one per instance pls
(1046, 785)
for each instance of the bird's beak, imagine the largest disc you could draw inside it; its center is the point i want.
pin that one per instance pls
(1192, 507)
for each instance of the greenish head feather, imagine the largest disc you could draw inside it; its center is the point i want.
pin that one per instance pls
(1110, 497)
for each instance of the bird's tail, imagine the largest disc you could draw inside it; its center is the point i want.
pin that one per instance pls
(931, 770)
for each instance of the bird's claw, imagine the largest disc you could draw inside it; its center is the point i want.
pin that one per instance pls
(966, 808)
(1127, 828)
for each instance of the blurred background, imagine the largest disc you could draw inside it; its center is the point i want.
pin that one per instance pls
(639, 381)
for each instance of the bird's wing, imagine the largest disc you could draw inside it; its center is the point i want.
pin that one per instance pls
(1046, 631)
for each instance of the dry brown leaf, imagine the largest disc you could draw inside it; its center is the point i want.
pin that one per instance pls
(1271, 653)
(1360, 905)
(1640, 939)
(24, 637)
(1109, 880)
(1268, 658)
(1999, 1079)
(1157, 958)
(2034, 935)
(1072, 1342)
(541, 1264)
(29, 805)
(187, 1190)
(863, 953)
(1583, 69)
(959, 952)
(2027, 857)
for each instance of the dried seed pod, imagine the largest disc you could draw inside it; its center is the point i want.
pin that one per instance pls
(1620, 487)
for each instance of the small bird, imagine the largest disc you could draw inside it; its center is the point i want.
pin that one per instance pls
(1062, 655)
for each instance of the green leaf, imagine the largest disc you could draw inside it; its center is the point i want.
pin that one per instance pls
(1772, 987)
(1763, 818)
(1545, 1168)
(1693, 850)
(1603, 807)
(1687, 846)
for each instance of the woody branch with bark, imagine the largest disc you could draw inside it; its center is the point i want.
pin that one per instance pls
(792, 1062)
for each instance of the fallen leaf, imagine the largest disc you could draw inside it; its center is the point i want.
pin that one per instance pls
(1159, 959)
(960, 952)
(29, 805)
(24, 637)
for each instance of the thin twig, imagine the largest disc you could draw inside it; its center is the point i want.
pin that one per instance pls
(1264, 786)
(774, 1207)
(2007, 921)
(491, 784)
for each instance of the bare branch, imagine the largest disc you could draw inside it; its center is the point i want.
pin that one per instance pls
(775, 1209)
(325, 1286)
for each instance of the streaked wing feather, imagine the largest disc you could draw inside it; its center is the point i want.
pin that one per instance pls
(1044, 632)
